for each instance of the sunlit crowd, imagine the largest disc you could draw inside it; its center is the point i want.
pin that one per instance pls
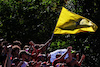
(35, 55)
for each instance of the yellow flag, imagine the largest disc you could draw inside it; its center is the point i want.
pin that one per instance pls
(71, 23)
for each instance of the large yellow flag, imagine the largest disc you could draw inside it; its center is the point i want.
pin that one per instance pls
(71, 23)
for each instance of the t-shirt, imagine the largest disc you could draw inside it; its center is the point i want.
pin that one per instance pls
(54, 53)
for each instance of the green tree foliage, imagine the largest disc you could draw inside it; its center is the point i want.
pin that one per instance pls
(35, 20)
(28, 19)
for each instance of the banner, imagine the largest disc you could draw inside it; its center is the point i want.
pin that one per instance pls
(71, 23)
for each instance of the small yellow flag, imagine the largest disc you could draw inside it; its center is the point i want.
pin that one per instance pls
(71, 23)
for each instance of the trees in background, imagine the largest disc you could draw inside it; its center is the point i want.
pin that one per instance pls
(35, 20)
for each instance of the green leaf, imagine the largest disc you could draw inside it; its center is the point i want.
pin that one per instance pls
(1, 25)
(58, 43)
(87, 47)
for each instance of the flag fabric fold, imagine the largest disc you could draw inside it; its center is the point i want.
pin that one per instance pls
(71, 23)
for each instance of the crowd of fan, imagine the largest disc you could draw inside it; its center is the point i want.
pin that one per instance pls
(34, 55)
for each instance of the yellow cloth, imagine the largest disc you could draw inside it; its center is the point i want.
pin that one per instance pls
(71, 23)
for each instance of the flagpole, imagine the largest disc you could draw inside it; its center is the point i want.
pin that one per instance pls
(51, 39)
(52, 35)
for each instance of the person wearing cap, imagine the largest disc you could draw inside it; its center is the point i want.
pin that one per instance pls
(16, 42)
(41, 57)
(15, 51)
(4, 46)
(24, 55)
(15, 62)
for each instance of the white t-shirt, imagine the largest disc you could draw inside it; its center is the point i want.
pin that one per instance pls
(54, 53)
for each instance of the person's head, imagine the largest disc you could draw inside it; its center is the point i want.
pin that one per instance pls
(15, 61)
(15, 50)
(5, 43)
(17, 43)
(58, 55)
(24, 55)
(42, 57)
(25, 47)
